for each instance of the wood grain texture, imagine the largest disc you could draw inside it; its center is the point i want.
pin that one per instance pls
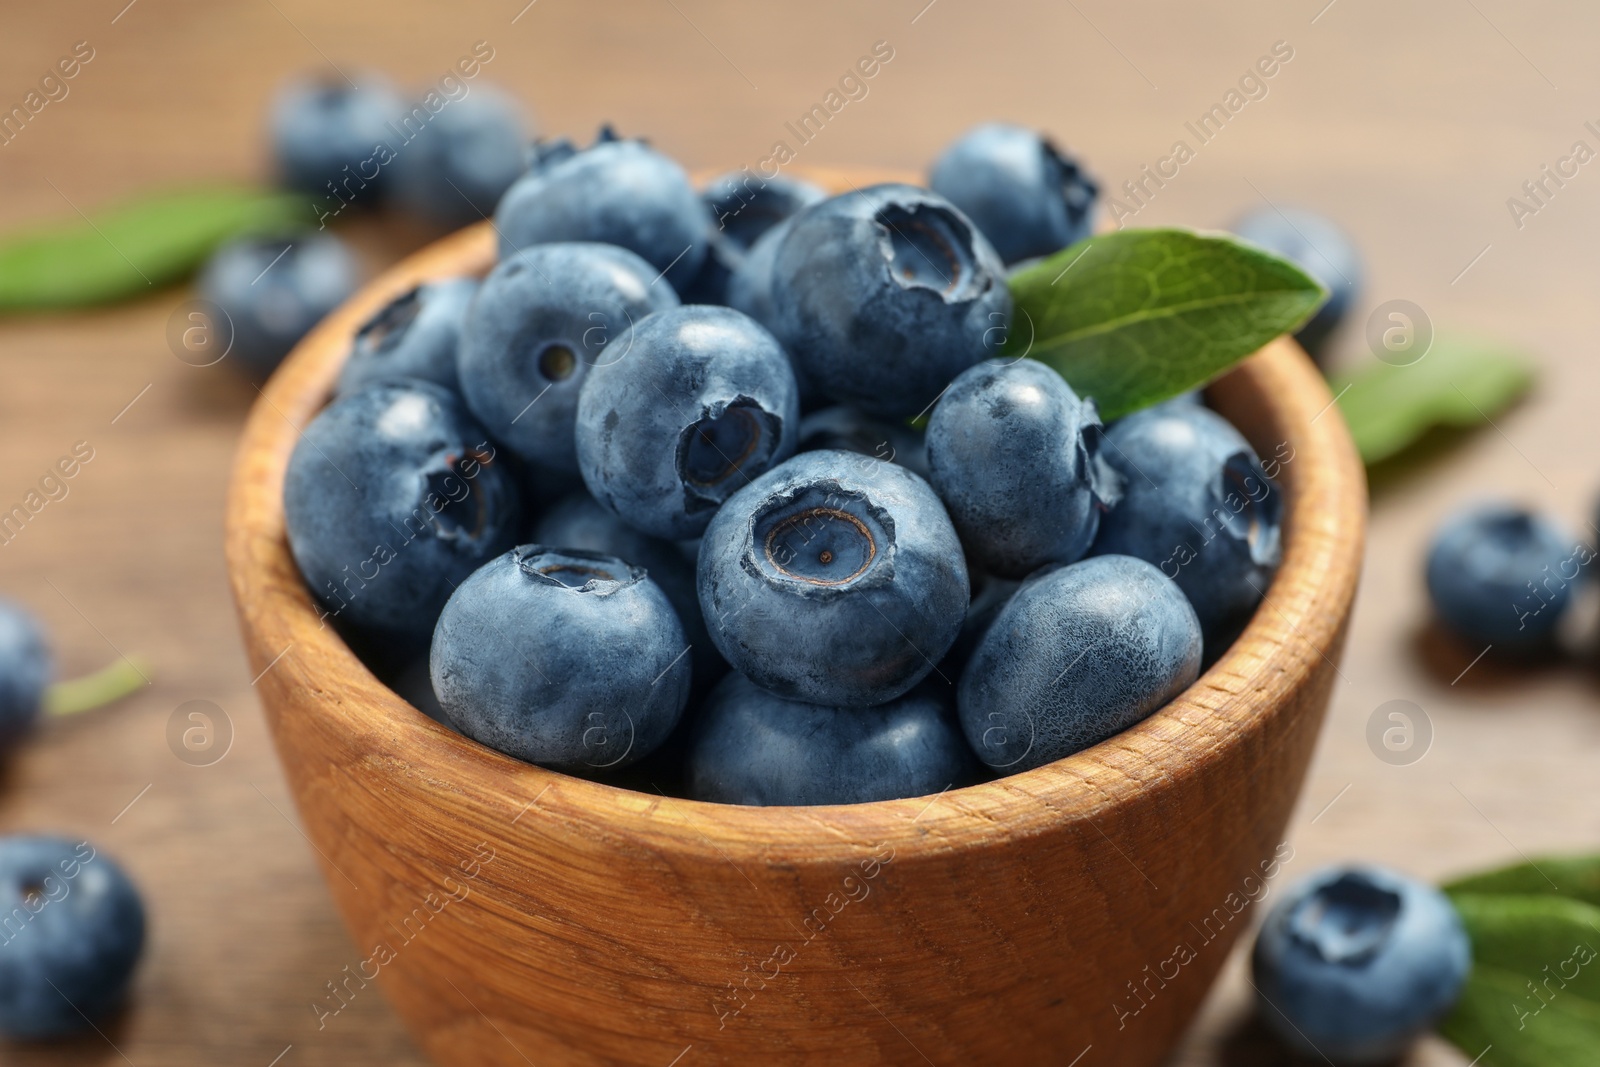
(1017, 921)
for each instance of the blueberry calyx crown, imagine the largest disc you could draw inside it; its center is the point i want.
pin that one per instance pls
(928, 247)
(822, 539)
(713, 452)
(576, 569)
(1347, 921)
(458, 501)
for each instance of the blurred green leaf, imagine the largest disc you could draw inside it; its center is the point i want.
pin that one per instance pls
(1457, 383)
(1134, 317)
(1533, 998)
(132, 249)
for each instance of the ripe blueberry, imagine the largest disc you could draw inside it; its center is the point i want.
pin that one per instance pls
(323, 131)
(560, 657)
(274, 289)
(1197, 504)
(393, 496)
(834, 579)
(26, 668)
(462, 160)
(1027, 197)
(883, 295)
(1503, 575)
(1354, 963)
(73, 934)
(752, 747)
(700, 401)
(542, 320)
(1015, 456)
(1078, 654)
(415, 335)
(615, 192)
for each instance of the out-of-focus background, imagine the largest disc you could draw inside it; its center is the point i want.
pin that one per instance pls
(1409, 124)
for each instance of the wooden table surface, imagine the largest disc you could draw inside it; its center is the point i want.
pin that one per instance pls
(1410, 124)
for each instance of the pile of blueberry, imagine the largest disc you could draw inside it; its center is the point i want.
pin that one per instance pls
(734, 487)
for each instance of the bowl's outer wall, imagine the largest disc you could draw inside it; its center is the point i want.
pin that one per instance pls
(515, 915)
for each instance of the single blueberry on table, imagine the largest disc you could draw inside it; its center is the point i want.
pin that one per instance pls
(1196, 503)
(847, 430)
(461, 159)
(26, 668)
(619, 192)
(702, 402)
(749, 746)
(1355, 963)
(74, 930)
(415, 335)
(331, 138)
(393, 495)
(274, 289)
(1323, 251)
(834, 579)
(1015, 456)
(1078, 654)
(542, 320)
(1503, 575)
(577, 521)
(570, 659)
(1027, 197)
(883, 295)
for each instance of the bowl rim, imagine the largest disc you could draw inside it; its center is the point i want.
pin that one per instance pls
(1299, 624)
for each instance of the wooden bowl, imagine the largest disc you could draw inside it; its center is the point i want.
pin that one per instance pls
(516, 915)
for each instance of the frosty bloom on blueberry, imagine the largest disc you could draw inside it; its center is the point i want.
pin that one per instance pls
(1015, 455)
(882, 296)
(703, 402)
(392, 497)
(1504, 575)
(567, 658)
(413, 336)
(541, 321)
(1354, 963)
(834, 579)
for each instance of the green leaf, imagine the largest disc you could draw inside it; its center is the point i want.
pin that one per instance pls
(1577, 877)
(1457, 383)
(1533, 998)
(133, 249)
(1134, 317)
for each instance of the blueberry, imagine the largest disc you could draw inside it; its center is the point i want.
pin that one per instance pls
(326, 134)
(1355, 963)
(1197, 504)
(751, 747)
(1027, 197)
(749, 288)
(565, 658)
(274, 289)
(990, 595)
(74, 928)
(834, 579)
(744, 206)
(883, 295)
(1015, 456)
(616, 192)
(1322, 250)
(701, 401)
(577, 521)
(1502, 575)
(392, 496)
(540, 323)
(415, 335)
(462, 159)
(26, 668)
(1080, 653)
(846, 429)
